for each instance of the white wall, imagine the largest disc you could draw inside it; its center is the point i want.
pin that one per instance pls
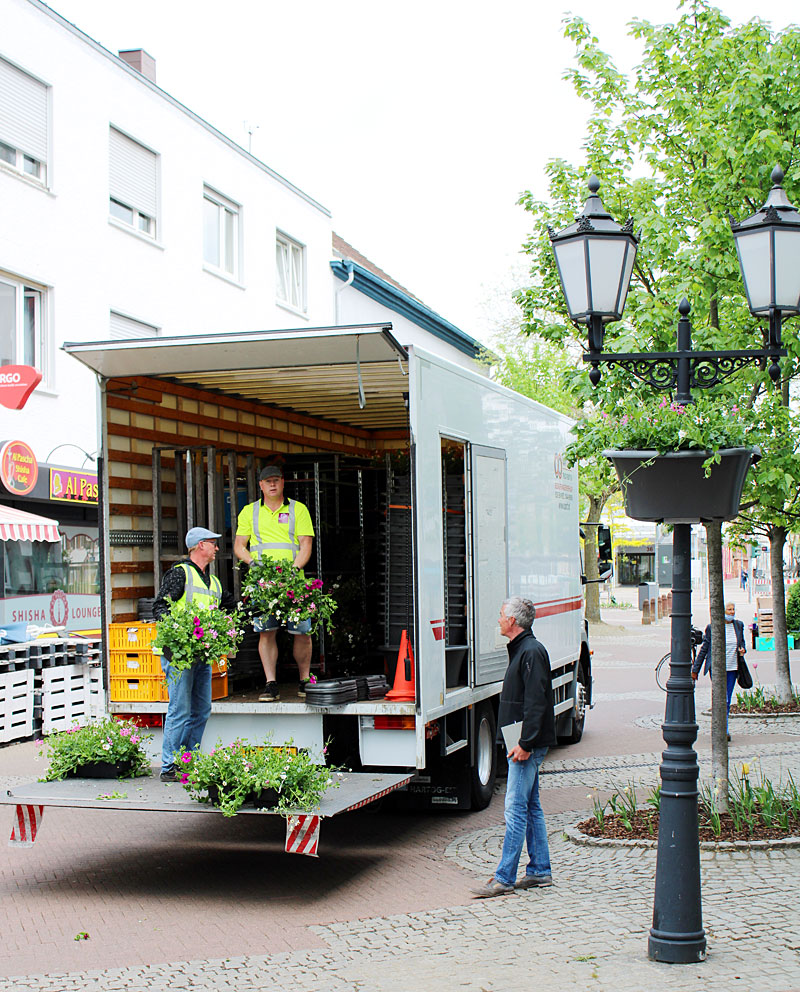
(61, 237)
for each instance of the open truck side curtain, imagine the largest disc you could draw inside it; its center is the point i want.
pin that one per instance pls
(440, 491)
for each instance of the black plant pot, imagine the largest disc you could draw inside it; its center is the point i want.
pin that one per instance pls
(673, 488)
(264, 799)
(102, 769)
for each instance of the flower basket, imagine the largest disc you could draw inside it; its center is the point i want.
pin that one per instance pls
(277, 588)
(106, 749)
(264, 775)
(675, 487)
(193, 634)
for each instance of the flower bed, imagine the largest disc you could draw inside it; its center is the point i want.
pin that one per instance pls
(277, 588)
(116, 743)
(758, 701)
(231, 775)
(192, 634)
(757, 810)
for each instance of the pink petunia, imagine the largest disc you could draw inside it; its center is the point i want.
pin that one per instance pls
(184, 778)
(186, 757)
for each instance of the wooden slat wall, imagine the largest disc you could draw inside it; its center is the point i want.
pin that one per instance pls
(144, 413)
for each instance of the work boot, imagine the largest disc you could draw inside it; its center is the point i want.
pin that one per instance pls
(270, 694)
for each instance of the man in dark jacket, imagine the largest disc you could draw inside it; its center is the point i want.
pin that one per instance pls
(527, 701)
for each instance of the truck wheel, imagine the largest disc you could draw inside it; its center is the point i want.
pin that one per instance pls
(579, 710)
(484, 771)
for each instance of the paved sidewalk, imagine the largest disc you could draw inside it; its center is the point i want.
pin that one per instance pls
(587, 932)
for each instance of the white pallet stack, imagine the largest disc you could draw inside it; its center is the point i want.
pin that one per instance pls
(16, 705)
(71, 694)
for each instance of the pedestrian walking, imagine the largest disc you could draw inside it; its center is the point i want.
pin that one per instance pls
(526, 725)
(188, 582)
(744, 577)
(734, 647)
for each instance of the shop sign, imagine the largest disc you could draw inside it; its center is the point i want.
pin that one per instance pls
(73, 611)
(17, 382)
(19, 469)
(68, 486)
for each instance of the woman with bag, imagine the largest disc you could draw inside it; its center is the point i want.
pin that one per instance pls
(734, 651)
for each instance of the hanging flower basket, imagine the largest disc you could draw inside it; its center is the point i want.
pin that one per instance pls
(674, 488)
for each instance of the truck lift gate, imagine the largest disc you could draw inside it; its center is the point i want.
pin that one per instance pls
(149, 794)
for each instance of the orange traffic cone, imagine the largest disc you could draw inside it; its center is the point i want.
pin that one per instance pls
(404, 690)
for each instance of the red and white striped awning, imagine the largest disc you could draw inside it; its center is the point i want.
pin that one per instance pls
(17, 525)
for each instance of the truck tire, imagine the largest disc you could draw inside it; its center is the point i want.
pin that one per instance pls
(484, 768)
(579, 709)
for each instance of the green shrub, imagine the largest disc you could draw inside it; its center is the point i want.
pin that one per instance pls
(793, 608)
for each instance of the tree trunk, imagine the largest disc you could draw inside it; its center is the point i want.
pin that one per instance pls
(719, 675)
(783, 675)
(590, 560)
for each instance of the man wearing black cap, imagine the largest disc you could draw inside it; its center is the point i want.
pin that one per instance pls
(189, 582)
(279, 528)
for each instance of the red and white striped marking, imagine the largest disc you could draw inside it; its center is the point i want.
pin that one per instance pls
(378, 795)
(302, 834)
(437, 626)
(26, 825)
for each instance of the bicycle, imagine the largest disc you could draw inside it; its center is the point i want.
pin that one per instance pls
(696, 641)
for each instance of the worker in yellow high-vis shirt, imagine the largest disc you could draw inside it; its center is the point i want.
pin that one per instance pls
(280, 528)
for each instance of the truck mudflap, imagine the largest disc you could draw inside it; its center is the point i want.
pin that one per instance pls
(151, 795)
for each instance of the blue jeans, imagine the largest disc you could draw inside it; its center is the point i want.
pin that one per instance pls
(273, 623)
(524, 821)
(188, 710)
(729, 690)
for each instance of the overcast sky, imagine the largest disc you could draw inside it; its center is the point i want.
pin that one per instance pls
(417, 123)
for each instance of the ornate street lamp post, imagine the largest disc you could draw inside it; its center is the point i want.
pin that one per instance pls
(595, 258)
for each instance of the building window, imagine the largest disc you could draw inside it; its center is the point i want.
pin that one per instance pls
(22, 328)
(133, 183)
(220, 232)
(290, 258)
(121, 326)
(23, 122)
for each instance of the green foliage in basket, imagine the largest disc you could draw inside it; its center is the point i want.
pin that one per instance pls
(276, 588)
(119, 742)
(194, 634)
(231, 773)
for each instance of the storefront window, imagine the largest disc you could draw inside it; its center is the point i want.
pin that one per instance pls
(633, 569)
(32, 568)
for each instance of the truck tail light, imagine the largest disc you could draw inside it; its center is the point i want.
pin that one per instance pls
(395, 722)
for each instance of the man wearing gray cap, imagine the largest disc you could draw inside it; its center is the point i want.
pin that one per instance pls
(189, 582)
(279, 528)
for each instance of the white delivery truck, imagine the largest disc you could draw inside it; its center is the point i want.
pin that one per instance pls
(435, 493)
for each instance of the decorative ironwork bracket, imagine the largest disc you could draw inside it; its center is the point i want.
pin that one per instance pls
(659, 369)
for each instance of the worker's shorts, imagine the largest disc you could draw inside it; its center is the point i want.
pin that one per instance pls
(273, 623)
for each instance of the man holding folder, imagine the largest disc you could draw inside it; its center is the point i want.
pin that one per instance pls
(526, 725)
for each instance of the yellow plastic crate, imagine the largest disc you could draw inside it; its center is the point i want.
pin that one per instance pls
(130, 636)
(135, 664)
(220, 667)
(140, 690)
(219, 686)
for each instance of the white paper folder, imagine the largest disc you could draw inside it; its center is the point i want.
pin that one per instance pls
(511, 734)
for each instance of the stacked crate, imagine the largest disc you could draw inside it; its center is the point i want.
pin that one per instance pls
(48, 685)
(135, 673)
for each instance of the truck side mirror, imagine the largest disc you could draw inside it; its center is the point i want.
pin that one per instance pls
(605, 558)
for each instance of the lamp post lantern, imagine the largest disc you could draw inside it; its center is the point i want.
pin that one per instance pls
(595, 258)
(768, 246)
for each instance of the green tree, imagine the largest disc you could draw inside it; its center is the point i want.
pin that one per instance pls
(689, 137)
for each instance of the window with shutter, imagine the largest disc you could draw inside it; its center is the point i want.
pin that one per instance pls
(23, 121)
(133, 183)
(121, 326)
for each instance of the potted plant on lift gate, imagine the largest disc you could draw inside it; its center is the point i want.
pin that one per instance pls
(677, 463)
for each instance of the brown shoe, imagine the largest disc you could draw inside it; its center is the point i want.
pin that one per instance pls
(490, 889)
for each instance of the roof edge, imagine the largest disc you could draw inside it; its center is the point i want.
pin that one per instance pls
(377, 289)
(74, 29)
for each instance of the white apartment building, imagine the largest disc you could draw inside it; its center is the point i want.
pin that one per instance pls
(124, 214)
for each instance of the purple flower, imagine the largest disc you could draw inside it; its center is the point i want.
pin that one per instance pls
(198, 633)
